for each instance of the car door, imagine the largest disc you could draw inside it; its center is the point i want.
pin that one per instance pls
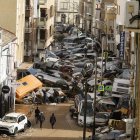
(21, 122)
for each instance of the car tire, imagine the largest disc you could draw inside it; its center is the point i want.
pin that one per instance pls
(15, 131)
(25, 128)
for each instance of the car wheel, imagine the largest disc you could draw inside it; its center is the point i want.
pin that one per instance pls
(112, 77)
(15, 131)
(25, 128)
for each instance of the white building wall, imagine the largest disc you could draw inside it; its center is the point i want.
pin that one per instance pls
(20, 24)
(70, 11)
(120, 19)
(35, 9)
(50, 22)
(7, 59)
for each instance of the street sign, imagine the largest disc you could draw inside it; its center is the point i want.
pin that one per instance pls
(108, 88)
(100, 88)
(5, 89)
(105, 55)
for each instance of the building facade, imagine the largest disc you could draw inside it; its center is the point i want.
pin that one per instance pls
(14, 23)
(8, 50)
(66, 11)
(30, 37)
(45, 23)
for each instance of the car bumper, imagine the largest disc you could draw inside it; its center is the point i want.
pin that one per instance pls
(6, 130)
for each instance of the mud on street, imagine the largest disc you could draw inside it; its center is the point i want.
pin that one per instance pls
(64, 129)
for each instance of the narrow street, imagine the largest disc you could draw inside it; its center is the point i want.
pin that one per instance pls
(65, 128)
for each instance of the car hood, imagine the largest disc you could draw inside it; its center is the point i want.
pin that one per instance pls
(6, 124)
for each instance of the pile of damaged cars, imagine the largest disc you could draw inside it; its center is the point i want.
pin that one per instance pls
(69, 72)
(40, 87)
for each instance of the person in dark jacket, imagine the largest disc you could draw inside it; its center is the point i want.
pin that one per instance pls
(41, 119)
(52, 120)
(37, 111)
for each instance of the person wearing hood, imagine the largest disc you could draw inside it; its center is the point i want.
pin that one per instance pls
(41, 119)
(52, 120)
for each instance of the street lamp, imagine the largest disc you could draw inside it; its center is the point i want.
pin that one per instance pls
(93, 130)
(86, 72)
(102, 42)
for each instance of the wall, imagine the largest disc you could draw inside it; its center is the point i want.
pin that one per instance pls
(47, 23)
(71, 11)
(12, 18)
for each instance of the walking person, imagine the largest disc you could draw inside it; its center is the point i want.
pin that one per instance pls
(52, 120)
(41, 119)
(37, 112)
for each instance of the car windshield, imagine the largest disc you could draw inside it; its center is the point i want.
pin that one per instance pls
(9, 119)
(102, 116)
(89, 110)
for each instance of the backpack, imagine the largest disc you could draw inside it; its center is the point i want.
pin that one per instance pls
(42, 117)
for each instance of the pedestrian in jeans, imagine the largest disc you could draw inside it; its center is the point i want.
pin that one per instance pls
(52, 120)
(37, 112)
(41, 119)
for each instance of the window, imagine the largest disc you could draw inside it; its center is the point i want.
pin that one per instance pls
(24, 83)
(42, 34)
(21, 118)
(28, 2)
(50, 31)
(123, 85)
(75, 6)
(64, 5)
(43, 12)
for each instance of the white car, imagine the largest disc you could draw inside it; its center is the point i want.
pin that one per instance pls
(13, 123)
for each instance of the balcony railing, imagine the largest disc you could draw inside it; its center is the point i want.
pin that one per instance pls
(28, 13)
(28, 7)
(42, 21)
(42, 2)
(28, 30)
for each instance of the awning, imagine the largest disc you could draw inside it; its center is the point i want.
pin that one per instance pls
(27, 85)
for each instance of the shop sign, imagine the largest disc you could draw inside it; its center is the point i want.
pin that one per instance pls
(122, 43)
(5, 89)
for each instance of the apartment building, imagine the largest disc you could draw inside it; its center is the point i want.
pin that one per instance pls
(67, 11)
(45, 23)
(12, 18)
(87, 12)
(31, 24)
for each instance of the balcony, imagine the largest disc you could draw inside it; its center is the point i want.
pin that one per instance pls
(29, 11)
(42, 2)
(42, 22)
(41, 44)
(110, 1)
(28, 30)
(28, 33)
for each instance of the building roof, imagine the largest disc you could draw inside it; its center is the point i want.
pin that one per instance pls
(7, 37)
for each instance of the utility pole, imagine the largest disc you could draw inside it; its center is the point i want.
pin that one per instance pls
(69, 13)
(93, 10)
(85, 109)
(73, 11)
(93, 130)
